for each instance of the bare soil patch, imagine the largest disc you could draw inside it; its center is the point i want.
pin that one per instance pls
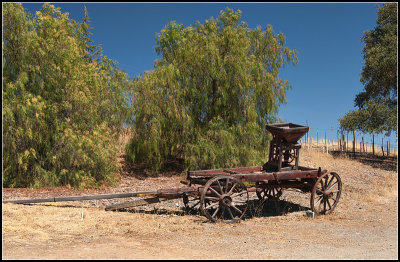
(364, 225)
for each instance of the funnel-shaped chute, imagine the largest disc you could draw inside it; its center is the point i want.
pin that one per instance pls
(288, 131)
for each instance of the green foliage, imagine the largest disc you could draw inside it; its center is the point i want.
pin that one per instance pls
(374, 118)
(379, 74)
(210, 94)
(62, 110)
(377, 104)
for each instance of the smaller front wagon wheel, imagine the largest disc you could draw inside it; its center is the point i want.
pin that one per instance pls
(326, 193)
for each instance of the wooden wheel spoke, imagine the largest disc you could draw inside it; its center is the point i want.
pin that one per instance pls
(322, 184)
(239, 201)
(215, 212)
(212, 205)
(220, 187)
(318, 200)
(325, 181)
(231, 190)
(238, 194)
(212, 198)
(334, 199)
(237, 209)
(330, 207)
(320, 204)
(230, 213)
(226, 185)
(334, 184)
(198, 202)
(330, 181)
(223, 211)
(212, 189)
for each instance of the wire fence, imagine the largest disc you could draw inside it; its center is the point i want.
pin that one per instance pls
(344, 144)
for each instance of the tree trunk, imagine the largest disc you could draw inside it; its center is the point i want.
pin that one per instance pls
(388, 148)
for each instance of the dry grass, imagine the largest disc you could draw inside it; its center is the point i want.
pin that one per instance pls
(361, 182)
(60, 222)
(124, 139)
(353, 230)
(334, 145)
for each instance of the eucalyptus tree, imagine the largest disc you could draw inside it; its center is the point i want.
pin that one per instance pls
(212, 90)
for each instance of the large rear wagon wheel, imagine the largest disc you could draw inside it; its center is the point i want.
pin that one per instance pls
(224, 198)
(326, 193)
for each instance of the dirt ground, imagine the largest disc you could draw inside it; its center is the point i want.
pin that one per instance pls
(364, 224)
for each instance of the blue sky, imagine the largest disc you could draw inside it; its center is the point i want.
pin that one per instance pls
(326, 36)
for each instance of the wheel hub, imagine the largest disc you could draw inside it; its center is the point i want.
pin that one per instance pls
(327, 194)
(226, 200)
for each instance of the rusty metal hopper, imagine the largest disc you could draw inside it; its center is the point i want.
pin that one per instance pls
(288, 131)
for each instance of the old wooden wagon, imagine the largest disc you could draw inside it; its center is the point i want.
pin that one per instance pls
(223, 194)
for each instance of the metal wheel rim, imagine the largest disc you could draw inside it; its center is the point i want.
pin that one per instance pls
(218, 201)
(326, 193)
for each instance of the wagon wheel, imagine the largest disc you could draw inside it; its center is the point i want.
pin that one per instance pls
(190, 202)
(269, 193)
(326, 193)
(223, 198)
(291, 155)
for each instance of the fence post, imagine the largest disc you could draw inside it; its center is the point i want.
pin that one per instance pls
(354, 143)
(337, 134)
(388, 148)
(373, 145)
(363, 144)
